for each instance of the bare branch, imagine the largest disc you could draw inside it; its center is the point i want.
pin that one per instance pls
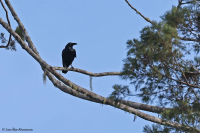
(135, 105)
(147, 19)
(145, 107)
(8, 23)
(21, 26)
(87, 72)
(67, 89)
(121, 105)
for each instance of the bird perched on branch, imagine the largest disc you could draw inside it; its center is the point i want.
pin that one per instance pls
(68, 55)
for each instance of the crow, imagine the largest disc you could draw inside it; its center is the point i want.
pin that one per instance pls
(68, 55)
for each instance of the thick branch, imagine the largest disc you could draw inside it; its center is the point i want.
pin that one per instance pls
(73, 92)
(21, 26)
(87, 72)
(135, 105)
(85, 91)
(67, 89)
(145, 107)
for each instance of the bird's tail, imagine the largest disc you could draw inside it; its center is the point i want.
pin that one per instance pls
(63, 71)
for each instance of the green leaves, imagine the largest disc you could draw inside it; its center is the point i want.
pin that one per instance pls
(176, 16)
(119, 93)
(19, 32)
(11, 45)
(160, 70)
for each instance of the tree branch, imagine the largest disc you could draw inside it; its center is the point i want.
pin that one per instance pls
(67, 89)
(87, 72)
(145, 107)
(21, 26)
(180, 3)
(147, 19)
(8, 23)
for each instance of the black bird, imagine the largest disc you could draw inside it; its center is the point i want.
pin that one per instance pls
(68, 55)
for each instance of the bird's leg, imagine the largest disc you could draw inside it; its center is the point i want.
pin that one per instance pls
(72, 67)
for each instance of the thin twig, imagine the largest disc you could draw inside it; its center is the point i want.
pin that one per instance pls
(197, 96)
(147, 19)
(191, 66)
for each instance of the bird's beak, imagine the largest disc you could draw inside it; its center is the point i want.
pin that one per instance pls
(74, 43)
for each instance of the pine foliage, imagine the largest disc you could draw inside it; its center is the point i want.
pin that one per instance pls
(164, 63)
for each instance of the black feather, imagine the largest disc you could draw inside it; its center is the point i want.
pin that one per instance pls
(68, 55)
